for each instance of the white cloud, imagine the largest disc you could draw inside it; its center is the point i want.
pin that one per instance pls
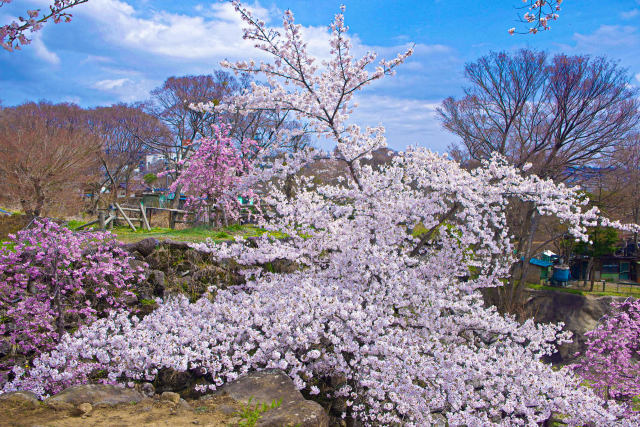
(630, 14)
(42, 51)
(407, 121)
(125, 89)
(110, 84)
(96, 59)
(214, 35)
(608, 36)
(638, 77)
(72, 99)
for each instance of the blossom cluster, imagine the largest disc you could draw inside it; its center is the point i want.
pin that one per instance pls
(539, 14)
(52, 278)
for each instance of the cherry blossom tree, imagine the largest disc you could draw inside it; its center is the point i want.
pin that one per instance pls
(13, 35)
(170, 104)
(212, 176)
(388, 323)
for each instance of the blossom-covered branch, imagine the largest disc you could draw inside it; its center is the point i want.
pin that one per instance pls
(539, 14)
(14, 34)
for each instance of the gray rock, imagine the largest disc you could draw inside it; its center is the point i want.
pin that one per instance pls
(95, 394)
(184, 404)
(157, 280)
(85, 408)
(439, 420)
(136, 263)
(269, 385)
(144, 246)
(25, 399)
(130, 299)
(5, 347)
(580, 313)
(4, 378)
(171, 380)
(146, 389)
(170, 397)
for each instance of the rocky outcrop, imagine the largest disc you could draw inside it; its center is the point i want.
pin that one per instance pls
(98, 395)
(269, 385)
(579, 313)
(252, 389)
(174, 267)
(24, 399)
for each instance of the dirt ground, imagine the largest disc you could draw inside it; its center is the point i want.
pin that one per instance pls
(217, 411)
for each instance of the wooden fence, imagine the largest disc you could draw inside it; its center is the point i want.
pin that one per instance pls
(141, 214)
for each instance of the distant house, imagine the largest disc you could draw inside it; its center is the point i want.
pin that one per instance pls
(623, 265)
(611, 268)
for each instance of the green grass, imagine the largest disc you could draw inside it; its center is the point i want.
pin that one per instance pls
(554, 288)
(250, 413)
(609, 290)
(74, 223)
(193, 234)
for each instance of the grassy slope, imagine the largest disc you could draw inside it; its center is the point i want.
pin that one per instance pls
(194, 234)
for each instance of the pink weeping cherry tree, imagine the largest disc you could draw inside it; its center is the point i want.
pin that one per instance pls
(212, 175)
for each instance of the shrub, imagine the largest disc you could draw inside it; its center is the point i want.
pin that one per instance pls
(53, 280)
(611, 362)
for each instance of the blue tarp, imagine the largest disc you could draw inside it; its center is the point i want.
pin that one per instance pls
(540, 263)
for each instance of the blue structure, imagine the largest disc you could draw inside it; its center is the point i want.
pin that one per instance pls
(560, 275)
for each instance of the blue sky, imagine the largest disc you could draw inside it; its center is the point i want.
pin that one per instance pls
(118, 50)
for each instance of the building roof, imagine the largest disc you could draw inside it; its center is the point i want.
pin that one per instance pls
(540, 263)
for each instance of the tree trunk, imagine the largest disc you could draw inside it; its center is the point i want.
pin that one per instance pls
(510, 292)
(527, 257)
(57, 296)
(592, 275)
(175, 203)
(587, 273)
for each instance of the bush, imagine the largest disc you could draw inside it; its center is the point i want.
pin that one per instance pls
(611, 362)
(53, 280)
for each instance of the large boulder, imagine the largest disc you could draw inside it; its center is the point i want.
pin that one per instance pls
(273, 384)
(145, 246)
(579, 313)
(98, 395)
(24, 399)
